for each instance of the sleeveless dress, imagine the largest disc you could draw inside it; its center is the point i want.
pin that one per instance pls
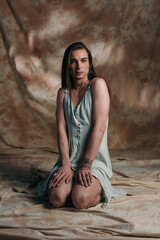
(79, 126)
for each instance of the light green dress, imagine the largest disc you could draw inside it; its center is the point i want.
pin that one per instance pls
(79, 126)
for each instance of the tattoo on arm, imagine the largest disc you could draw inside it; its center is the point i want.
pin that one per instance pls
(86, 163)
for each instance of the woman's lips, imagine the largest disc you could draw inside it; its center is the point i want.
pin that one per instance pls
(79, 73)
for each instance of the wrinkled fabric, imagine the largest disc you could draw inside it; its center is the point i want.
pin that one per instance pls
(79, 121)
(24, 215)
(123, 37)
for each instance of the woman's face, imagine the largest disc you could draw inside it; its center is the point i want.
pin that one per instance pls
(79, 65)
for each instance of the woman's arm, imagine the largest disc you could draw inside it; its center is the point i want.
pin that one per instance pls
(64, 173)
(101, 103)
(62, 138)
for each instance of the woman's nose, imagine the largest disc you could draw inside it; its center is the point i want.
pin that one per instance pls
(78, 65)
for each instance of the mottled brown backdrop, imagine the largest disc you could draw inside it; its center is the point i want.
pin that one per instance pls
(124, 39)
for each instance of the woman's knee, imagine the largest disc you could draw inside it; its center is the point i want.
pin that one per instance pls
(80, 199)
(57, 198)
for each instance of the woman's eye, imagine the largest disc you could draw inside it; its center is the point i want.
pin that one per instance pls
(83, 60)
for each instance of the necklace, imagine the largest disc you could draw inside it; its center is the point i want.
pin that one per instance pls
(80, 85)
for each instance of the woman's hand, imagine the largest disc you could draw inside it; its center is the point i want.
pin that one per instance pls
(84, 174)
(63, 174)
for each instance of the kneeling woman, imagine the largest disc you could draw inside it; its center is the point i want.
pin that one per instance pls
(83, 169)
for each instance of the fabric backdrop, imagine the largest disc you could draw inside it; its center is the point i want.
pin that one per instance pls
(124, 39)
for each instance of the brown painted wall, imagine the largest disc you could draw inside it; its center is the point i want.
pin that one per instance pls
(124, 39)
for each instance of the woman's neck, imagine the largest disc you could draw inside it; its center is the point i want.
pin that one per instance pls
(81, 84)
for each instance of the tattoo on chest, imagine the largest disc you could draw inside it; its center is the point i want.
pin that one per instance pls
(86, 163)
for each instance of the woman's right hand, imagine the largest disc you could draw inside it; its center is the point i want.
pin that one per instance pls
(63, 174)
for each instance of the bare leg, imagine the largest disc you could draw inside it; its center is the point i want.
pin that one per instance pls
(85, 197)
(59, 195)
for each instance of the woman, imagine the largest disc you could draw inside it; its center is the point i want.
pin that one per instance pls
(83, 169)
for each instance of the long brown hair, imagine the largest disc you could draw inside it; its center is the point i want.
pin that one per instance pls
(66, 78)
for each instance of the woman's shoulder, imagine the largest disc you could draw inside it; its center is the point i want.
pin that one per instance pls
(100, 90)
(98, 83)
(61, 92)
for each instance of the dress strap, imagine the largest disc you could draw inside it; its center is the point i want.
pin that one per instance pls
(66, 91)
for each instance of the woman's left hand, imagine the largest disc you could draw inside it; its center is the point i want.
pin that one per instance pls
(84, 176)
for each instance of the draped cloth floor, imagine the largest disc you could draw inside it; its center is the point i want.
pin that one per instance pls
(23, 215)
